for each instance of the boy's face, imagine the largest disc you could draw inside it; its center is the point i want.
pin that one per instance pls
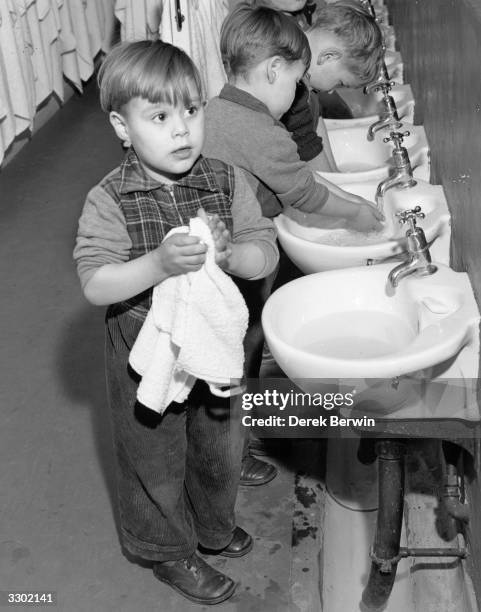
(328, 69)
(167, 139)
(331, 75)
(281, 91)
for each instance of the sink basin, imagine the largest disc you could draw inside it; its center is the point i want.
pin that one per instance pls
(361, 160)
(366, 108)
(314, 250)
(349, 324)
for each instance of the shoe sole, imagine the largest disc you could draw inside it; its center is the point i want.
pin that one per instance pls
(200, 600)
(241, 553)
(257, 483)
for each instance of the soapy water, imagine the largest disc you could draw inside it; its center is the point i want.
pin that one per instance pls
(345, 237)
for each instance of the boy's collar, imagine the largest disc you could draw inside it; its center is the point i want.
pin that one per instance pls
(134, 178)
(239, 96)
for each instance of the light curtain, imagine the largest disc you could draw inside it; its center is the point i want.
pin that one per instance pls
(41, 42)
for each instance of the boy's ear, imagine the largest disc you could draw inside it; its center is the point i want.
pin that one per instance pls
(272, 68)
(120, 127)
(329, 55)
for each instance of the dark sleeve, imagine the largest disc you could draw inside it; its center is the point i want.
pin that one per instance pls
(301, 121)
(332, 106)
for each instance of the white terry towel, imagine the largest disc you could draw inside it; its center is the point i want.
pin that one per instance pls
(194, 329)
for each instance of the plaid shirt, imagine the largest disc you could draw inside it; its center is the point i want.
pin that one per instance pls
(151, 209)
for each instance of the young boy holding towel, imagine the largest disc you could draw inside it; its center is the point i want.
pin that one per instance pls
(178, 472)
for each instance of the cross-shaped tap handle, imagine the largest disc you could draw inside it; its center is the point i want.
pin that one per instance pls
(396, 137)
(410, 215)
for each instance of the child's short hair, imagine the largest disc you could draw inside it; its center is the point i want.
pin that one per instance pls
(359, 33)
(250, 35)
(154, 70)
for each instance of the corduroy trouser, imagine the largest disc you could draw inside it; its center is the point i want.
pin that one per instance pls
(178, 473)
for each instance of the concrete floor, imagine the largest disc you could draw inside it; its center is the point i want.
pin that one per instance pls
(58, 514)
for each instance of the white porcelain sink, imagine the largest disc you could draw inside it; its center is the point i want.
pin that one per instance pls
(314, 250)
(349, 324)
(366, 108)
(360, 160)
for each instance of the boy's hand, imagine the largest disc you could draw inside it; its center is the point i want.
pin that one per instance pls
(181, 253)
(368, 218)
(221, 236)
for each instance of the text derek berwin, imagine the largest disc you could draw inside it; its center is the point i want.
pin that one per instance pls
(272, 398)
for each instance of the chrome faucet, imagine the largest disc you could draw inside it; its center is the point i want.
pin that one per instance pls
(388, 118)
(419, 261)
(403, 173)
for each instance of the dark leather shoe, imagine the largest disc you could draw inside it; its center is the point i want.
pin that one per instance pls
(255, 472)
(240, 544)
(195, 579)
